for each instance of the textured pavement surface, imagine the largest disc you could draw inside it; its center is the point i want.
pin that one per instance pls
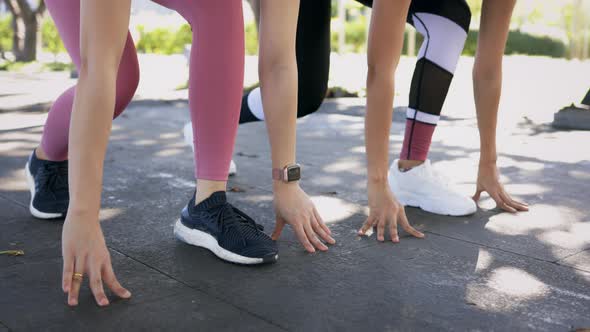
(489, 271)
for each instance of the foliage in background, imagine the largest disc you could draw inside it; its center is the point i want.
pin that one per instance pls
(522, 43)
(356, 35)
(350, 6)
(167, 41)
(251, 39)
(518, 43)
(163, 40)
(50, 38)
(59, 66)
(172, 41)
(5, 34)
(26, 19)
(14, 66)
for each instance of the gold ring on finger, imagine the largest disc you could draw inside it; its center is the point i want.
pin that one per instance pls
(78, 276)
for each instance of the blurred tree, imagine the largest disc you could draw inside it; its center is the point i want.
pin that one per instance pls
(576, 22)
(51, 39)
(5, 36)
(25, 24)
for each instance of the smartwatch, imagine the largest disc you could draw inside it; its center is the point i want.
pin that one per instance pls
(289, 173)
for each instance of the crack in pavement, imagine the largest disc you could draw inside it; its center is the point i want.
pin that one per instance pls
(13, 201)
(504, 250)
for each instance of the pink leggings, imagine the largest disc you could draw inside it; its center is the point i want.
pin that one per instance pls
(215, 79)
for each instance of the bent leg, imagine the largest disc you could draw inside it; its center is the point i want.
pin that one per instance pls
(216, 80)
(66, 15)
(313, 62)
(444, 25)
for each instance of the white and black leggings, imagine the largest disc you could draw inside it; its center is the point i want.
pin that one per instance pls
(443, 24)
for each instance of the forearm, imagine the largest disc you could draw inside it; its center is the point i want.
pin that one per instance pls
(377, 125)
(278, 77)
(487, 72)
(101, 47)
(384, 48)
(89, 132)
(487, 91)
(279, 95)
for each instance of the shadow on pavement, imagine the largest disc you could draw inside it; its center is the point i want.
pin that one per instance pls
(491, 270)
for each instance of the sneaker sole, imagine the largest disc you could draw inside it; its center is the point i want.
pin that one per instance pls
(411, 200)
(201, 239)
(36, 213)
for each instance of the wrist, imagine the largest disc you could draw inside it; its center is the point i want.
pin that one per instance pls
(487, 161)
(281, 186)
(288, 174)
(82, 210)
(377, 179)
(83, 216)
(487, 153)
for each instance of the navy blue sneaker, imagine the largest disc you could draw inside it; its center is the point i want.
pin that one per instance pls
(48, 184)
(229, 233)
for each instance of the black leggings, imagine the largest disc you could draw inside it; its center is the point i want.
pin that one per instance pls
(444, 25)
(313, 61)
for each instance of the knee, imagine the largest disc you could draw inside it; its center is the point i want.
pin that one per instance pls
(95, 70)
(311, 98)
(464, 16)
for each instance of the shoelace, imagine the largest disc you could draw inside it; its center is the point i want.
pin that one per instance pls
(230, 216)
(54, 178)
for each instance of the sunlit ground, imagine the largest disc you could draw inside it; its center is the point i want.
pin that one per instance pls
(532, 267)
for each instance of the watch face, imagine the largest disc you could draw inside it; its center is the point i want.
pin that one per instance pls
(293, 173)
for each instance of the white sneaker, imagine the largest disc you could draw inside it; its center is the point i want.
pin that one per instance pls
(188, 139)
(422, 187)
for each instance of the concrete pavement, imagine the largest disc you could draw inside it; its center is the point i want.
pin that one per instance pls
(489, 271)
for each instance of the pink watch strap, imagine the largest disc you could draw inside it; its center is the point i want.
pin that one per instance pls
(277, 174)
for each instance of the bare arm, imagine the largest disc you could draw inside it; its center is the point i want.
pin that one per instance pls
(385, 43)
(487, 71)
(278, 79)
(103, 32)
(386, 37)
(278, 76)
(487, 85)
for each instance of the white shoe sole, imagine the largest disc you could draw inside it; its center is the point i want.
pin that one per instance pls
(188, 139)
(430, 203)
(408, 199)
(201, 239)
(36, 213)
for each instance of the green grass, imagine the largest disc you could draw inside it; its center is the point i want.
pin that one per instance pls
(58, 66)
(51, 66)
(14, 66)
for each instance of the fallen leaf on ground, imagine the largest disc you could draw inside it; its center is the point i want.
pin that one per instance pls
(12, 252)
(242, 154)
(236, 190)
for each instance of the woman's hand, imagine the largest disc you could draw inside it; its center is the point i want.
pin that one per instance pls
(385, 210)
(488, 180)
(294, 207)
(85, 254)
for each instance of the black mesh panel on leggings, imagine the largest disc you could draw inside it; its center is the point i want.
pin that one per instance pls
(430, 85)
(313, 58)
